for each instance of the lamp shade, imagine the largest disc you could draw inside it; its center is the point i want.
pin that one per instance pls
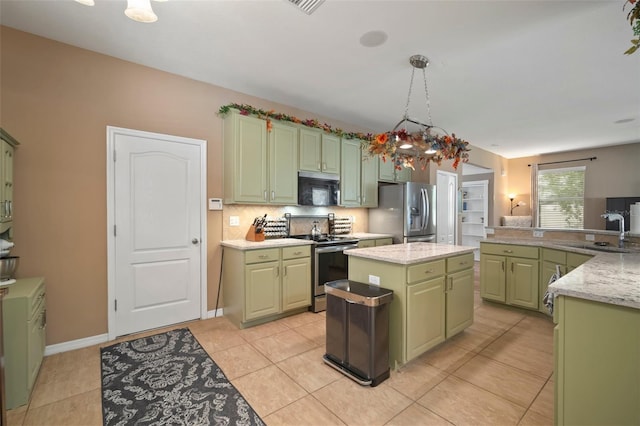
(140, 10)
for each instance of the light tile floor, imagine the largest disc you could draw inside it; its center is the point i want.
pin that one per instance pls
(497, 372)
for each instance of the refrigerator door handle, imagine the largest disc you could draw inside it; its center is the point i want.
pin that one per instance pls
(427, 210)
(425, 204)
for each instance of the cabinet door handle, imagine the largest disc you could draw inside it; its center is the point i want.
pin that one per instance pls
(512, 267)
(450, 283)
(324, 166)
(319, 166)
(265, 195)
(285, 271)
(502, 263)
(277, 271)
(273, 195)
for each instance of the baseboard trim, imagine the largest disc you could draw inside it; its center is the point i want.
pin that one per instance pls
(96, 340)
(75, 344)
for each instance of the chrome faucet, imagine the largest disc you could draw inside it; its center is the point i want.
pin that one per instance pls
(620, 218)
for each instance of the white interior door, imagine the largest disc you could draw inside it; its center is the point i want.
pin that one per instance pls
(156, 255)
(447, 205)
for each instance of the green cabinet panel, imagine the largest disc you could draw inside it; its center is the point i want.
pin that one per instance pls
(24, 329)
(425, 316)
(522, 282)
(459, 301)
(318, 151)
(350, 178)
(265, 284)
(492, 277)
(369, 184)
(384, 242)
(576, 259)
(283, 170)
(296, 288)
(262, 283)
(366, 243)
(388, 173)
(597, 368)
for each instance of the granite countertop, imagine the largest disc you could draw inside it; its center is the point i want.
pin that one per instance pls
(367, 235)
(584, 247)
(612, 278)
(407, 254)
(253, 245)
(607, 277)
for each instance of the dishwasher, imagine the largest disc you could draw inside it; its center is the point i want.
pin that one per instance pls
(357, 320)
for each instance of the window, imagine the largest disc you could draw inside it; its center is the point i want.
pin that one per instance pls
(561, 198)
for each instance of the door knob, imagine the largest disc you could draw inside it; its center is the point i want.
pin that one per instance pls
(195, 241)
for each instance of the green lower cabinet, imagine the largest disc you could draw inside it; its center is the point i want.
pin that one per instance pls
(296, 289)
(432, 301)
(459, 302)
(366, 243)
(262, 287)
(425, 316)
(597, 363)
(510, 274)
(384, 241)
(265, 284)
(522, 282)
(493, 281)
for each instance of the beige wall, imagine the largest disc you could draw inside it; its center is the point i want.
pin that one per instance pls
(57, 100)
(614, 173)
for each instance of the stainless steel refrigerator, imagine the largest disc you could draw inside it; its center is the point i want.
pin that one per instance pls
(406, 211)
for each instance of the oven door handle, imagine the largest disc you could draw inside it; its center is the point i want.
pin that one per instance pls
(333, 249)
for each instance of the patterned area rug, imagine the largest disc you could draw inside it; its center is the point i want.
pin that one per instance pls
(168, 378)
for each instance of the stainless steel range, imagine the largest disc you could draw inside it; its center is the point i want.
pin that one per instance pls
(328, 263)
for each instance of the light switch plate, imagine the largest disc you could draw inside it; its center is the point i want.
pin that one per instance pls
(590, 237)
(234, 220)
(373, 279)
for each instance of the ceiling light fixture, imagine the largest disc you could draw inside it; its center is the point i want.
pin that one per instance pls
(138, 10)
(428, 143)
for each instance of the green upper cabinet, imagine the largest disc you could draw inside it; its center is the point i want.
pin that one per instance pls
(369, 180)
(388, 173)
(7, 145)
(260, 167)
(283, 173)
(350, 179)
(319, 152)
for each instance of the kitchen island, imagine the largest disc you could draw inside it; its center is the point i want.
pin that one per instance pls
(432, 292)
(597, 342)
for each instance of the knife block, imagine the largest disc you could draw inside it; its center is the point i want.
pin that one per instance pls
(253, 236)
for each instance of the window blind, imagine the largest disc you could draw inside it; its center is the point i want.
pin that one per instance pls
(561, 197)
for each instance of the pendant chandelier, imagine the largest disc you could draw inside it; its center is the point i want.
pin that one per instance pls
(428, 143)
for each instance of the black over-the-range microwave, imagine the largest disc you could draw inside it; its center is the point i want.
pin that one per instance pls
(318, 189)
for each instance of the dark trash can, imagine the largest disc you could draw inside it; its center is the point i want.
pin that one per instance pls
(358, 330)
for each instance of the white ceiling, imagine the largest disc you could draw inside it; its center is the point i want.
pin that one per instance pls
(516, 77)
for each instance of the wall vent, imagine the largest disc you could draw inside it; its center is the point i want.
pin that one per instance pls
(307, 6)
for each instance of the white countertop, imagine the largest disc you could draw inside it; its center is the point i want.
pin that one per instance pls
(367, 235)
(612, 278)
(410, 253)
(253, 245)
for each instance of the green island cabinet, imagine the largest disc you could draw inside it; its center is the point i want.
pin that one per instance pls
(24, 321)
(375, 242)
(432, 301)
(567, 261)
(265, 284)
(509, 274)
(388, 173)
(359, 176)
(260, 166)
(597, 363)
(319, 151)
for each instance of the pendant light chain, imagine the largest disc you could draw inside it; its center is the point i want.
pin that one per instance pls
(406, 108)
(426, 92)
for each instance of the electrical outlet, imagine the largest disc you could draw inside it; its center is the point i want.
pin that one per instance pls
(538, 234)
(353, 219)
(234, 220)
(375, 280)
(590, 237)
(490, 231)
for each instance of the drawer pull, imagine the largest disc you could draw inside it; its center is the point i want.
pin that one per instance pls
(429, 271)
(508, 251)
(463, 263)
(264, 256)
(297, 253)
